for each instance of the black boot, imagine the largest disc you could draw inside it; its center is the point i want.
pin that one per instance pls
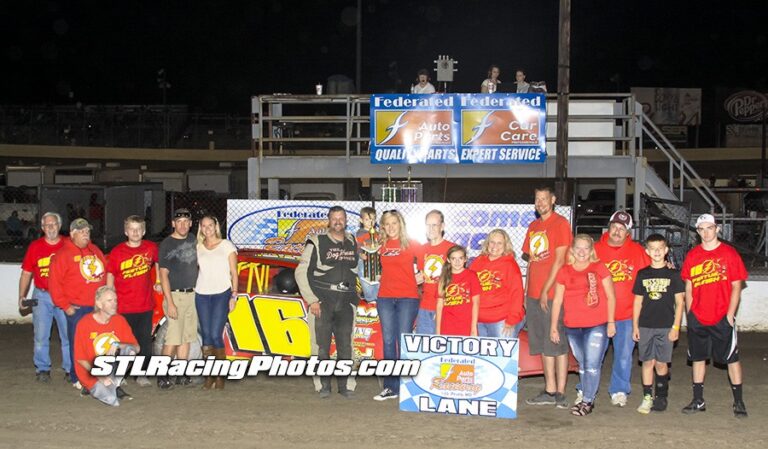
(662, 391)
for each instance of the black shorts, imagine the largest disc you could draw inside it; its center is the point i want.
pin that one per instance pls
(717, 342)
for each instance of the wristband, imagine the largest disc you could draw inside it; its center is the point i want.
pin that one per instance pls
(677, 328)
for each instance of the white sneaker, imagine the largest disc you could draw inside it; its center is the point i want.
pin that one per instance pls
(385, 394)
(142, 381)
(619, 399)
(77, 385)
(645, 406)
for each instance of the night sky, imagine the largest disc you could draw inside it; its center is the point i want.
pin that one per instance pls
(219, 53)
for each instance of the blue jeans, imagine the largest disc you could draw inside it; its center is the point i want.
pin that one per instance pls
(425, 322)
(496, 329)
(396, 316)
(588, 345)
(623, 345)
(370, 291)
(212, 312)
(43, 315)
(72, 321)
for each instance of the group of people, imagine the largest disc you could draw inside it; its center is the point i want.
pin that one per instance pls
(579, 295)
(77, 286)
(422, 84)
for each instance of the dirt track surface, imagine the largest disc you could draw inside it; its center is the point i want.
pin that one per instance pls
(282, 412)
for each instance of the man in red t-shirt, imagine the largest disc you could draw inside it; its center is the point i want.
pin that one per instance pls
(713, 273)
(434, 252)
(77, 270)
(36, 264)
(623, 258)
(103, 332)
(546, 244)
(131, 267)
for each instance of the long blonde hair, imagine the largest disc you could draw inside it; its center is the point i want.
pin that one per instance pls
(447, 275)
(216, 225)
(587, 238)
(508, 248)
(403, 234)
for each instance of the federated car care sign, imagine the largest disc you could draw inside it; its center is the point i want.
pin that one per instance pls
(461, 375)
(458, 129)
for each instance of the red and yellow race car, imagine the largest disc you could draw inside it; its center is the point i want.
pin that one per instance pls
(272, 318)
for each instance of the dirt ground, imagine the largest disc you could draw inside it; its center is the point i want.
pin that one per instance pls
(281, 412)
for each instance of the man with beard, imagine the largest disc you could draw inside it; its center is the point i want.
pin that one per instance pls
(546, 244)
(327, 275)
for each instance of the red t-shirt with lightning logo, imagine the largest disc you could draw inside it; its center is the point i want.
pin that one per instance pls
(623, 262)
(434, 261)
(711, 274)
(541, 241)
(93, 338)
(133, 269)
(457, 303)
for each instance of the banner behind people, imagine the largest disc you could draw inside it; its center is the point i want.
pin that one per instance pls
(283, 225)
(458, 129)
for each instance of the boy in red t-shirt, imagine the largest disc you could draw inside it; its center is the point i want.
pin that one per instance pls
(713, 273)
(458, 302)
(102, 332)
(131, 268)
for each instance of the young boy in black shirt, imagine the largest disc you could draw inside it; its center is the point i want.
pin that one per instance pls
(659, 298)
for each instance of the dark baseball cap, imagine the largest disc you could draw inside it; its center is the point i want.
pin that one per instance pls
(182, 213)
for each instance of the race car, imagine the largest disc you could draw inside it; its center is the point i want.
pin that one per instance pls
(272, 318)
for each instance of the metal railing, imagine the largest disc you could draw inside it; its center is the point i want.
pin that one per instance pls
(281, 121)
(679, 168)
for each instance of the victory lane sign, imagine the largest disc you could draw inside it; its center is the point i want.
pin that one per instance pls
(458, 128)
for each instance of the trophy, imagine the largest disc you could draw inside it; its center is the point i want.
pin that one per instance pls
(389, 191)
(372, 261)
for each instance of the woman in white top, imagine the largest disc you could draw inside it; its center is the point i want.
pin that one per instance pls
(522, 86)
(216, 289)
(491, 84)
(422, 85)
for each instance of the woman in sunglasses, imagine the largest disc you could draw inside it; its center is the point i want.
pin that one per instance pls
(398, 301)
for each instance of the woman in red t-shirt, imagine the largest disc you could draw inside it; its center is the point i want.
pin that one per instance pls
(501, 297)
(398, 300)
(458, 297)
(584, 289)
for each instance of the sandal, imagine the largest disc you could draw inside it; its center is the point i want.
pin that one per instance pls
(576, 407)
(585, 408)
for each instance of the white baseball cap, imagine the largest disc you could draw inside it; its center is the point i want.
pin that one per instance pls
(705, 218)
(621, 217)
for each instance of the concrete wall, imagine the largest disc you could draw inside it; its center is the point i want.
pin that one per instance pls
(753, 315)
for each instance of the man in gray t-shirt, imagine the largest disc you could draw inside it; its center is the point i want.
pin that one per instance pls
(178, 275)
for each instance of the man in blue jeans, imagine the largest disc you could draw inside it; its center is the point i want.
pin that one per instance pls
(77, 270)
(36, 265)
(623, 258)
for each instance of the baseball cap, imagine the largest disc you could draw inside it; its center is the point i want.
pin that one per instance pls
(705, 218)
(622, 217)
(182, 213)
(78, 224)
